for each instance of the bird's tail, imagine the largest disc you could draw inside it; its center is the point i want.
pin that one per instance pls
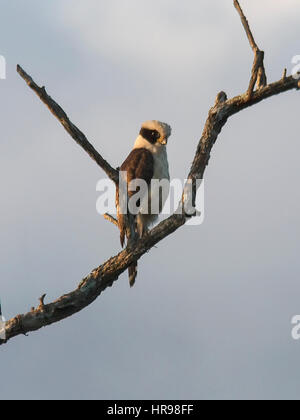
(132, 269)
(122, 228)
(132, 273)
(120, 218)
(123, 221)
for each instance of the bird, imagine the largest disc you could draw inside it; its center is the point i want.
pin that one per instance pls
(148, 161)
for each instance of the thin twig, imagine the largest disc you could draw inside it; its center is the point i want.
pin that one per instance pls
(111, 219)
(246, 26)
(258, 74)
(284, 74)
(42, 302)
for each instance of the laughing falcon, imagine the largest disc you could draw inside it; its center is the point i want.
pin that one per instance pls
(148, 162)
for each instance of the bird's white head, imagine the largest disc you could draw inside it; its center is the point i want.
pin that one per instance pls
(156, 132)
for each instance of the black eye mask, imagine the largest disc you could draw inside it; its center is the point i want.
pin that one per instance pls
(150, 135)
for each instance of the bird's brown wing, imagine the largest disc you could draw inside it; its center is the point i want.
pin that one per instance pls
(138, 165)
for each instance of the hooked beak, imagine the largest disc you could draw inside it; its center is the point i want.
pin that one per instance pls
(164, 141)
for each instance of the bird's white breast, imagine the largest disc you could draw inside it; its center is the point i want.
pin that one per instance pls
(161, 165)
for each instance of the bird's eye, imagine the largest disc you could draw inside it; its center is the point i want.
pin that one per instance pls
(153, 133)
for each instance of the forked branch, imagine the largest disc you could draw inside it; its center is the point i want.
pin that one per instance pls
(258, 74)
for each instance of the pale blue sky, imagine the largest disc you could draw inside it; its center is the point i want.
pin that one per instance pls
(210, 314)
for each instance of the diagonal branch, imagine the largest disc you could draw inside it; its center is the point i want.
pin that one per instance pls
(258, 74)
(105, 275)
(91, 286)
(74, 132)
(246, 26)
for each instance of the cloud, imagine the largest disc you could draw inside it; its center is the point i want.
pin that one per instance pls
(169, 40)
(270, 8)
(269, 15)
(163, 37)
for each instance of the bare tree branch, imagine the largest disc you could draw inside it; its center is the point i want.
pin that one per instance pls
(258, 74)
(91, 286)
(74, 132)
(246, 26)
(106, 274)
